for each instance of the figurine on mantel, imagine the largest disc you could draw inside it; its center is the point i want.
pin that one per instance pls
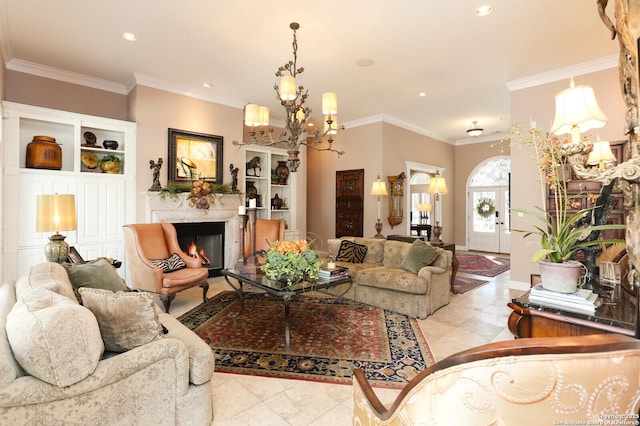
(234, 178)
(156, 174)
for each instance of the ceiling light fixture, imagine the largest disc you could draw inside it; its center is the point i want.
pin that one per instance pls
(483, 10)
(129, 36)
(206, 84)
(292, 97)
(474, 130)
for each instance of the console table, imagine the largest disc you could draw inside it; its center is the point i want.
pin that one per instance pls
(532, 320)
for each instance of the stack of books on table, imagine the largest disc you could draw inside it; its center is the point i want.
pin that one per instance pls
(329, 275)
(583, 301)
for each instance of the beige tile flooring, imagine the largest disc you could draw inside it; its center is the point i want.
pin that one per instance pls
(471, 319)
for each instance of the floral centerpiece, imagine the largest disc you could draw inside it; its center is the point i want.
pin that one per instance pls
(562, 228)
(291, 262)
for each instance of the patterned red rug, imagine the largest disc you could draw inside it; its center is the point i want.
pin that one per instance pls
(389, 347)
(487, 266)
(465, 284)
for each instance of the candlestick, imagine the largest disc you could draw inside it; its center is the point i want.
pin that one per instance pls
(252, 203)
(241, 210)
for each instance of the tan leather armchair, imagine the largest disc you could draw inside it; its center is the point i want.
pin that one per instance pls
(267, 231)
(536, 381)
(159, 241)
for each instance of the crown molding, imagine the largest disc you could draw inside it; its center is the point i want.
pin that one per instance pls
(563, 73)
(145, 80)
(385, 118)
(66, 76)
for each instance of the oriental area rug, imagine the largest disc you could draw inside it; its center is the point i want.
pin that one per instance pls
(486, 266)
(325, 345)
(465, 284)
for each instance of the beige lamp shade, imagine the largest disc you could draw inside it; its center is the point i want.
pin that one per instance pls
(252, 115)
(576, 107)
(288, 90)
(601, 152)
(264, 116)
(437, 184)
(329, 103)
(425, 207)
(378, 187)
(56, 212)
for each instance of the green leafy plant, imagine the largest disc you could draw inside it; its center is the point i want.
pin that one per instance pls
(110, 157)
(291, 262)
(560, 231)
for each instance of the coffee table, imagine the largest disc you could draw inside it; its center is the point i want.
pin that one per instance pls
(262, 282)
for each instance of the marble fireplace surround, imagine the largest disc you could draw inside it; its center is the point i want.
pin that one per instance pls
(176, 209)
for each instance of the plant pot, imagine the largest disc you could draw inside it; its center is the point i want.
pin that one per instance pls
(561, 277)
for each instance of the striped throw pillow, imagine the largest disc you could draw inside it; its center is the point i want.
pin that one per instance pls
(170, 264)
(351, 252)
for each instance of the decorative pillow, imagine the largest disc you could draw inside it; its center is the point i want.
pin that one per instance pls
(170, 264)
(53, 338)
(351, 252)
(126, 319)
(419, 255)
(96, 274)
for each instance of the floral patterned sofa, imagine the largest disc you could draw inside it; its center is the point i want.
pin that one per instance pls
(382, 281)
(72, 379)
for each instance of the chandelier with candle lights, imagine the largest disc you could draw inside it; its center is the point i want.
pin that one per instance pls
(293, 98)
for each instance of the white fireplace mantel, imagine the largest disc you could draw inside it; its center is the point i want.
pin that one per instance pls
(176, 209)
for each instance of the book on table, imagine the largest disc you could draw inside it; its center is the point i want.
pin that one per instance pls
(329, 275)
(583, 301)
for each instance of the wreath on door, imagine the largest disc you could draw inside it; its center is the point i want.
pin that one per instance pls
(485, 208)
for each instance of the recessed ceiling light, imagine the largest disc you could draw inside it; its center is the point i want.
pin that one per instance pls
(483, 10)
(365, 62)
(422, 94)
(129, 36)
(206, 84)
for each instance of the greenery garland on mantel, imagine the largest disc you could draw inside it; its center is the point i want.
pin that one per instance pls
(174, 189)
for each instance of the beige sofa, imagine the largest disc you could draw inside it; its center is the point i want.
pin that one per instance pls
(381, 281)
(163, 382)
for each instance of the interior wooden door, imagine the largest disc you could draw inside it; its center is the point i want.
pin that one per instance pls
(349, 203)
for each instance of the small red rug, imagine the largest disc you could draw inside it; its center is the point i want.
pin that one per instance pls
(389, 347)
(487, 266)
(464, 284)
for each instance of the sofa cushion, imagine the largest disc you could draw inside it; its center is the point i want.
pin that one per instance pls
(47, 275)
(351, 252)
(95, 274)
(394, 253)
(54, 338)
(420, 255)
(393, 279)
(126, 319)
(170, 264)
(375, 249)
(9, 368)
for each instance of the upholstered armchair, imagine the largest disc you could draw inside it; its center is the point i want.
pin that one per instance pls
(267, 231)
(536, 381)
(159, 241)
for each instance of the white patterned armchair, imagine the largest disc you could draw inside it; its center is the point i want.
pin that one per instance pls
(539, 381)
(55, 370)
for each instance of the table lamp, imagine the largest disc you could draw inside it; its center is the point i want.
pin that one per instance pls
(378, 188)
(437, 186)
(56, 212)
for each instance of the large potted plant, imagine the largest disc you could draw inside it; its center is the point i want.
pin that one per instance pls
(560, 227)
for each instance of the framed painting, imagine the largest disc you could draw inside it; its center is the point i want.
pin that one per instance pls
(194, 156)
(74, 256)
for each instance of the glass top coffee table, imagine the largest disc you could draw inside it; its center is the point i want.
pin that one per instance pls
(262, 282)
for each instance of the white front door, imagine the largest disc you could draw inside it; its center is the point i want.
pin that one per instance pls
(489, 219)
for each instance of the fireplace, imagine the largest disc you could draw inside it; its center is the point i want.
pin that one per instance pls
(205, 241)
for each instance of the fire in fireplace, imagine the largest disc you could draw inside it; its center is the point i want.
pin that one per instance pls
(205, 241)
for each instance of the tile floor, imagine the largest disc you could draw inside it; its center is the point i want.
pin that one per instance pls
(471, 319)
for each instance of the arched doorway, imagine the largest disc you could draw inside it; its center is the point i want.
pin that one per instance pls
(488, 206)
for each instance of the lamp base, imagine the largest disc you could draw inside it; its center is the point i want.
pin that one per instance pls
(57, 250)
(435, 239)
(378, 230)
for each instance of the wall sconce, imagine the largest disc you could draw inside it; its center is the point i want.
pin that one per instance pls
(437, 186)
(56, 212)
(378, 188)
